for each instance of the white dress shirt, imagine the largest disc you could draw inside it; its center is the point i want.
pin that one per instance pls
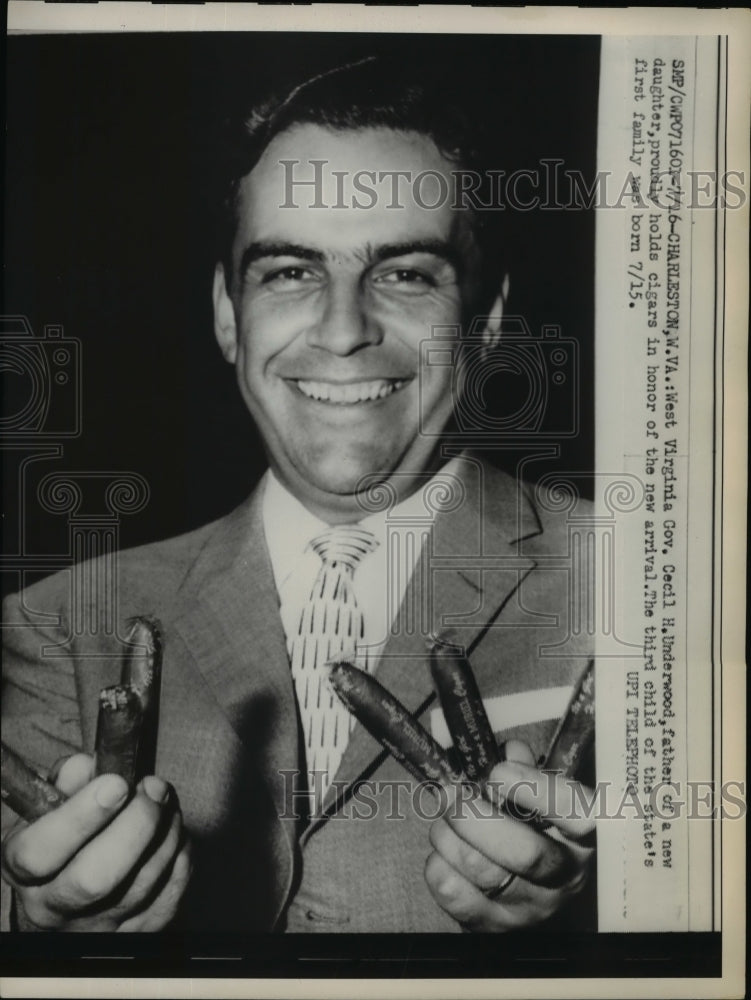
(380, 579)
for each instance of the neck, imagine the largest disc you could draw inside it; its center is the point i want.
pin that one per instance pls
(347, 508)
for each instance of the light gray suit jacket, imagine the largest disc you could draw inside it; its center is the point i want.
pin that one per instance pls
(498, 577)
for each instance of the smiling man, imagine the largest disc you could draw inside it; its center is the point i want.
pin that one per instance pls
(368, 534)
(323, 313)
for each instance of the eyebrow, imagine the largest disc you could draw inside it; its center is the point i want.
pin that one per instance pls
(259, 250)
(438, 248)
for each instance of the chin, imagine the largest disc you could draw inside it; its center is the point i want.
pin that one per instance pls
(342, 474)
(344, 483)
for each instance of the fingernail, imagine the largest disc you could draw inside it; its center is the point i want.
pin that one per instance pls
(111, 792)
(155, 788)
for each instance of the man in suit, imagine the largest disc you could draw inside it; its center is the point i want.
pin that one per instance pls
(268, 811)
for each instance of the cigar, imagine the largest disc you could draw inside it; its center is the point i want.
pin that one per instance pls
(390, 723)
(25, 791)
(142, 673)
(572, 738)
(118, 733)
(143, 661)
(576, 730)
(472, 733)
(464, 712)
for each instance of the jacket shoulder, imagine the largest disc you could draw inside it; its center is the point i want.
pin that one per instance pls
(559, 503)
(543, 506)
(152, 571)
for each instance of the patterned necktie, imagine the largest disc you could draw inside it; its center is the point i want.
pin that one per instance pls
(331, 625)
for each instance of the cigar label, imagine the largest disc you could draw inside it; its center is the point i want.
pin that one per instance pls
(576, 730)
(391, 724)
(25, 791)
(463, 709)
(118, 732)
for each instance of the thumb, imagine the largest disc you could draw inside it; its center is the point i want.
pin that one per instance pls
(520, 752)
(70, 774)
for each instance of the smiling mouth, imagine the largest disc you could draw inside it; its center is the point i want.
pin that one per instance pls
(352, 392)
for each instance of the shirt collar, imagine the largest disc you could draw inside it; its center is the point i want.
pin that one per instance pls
(289, 526)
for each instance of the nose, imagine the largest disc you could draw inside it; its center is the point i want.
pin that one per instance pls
(346, 325)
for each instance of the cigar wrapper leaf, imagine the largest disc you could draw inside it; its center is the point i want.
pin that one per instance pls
(142, 672)
(576, 730)
(469, 726)
(128, 712)
(465, 714)
(25, 791)
(388, 721)
(118, 732)
(143, 661)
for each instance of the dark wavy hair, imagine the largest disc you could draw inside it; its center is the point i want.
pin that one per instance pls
(367, 94)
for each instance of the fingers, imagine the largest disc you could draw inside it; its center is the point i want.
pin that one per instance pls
(149, 879)
(462, 881)
(517, 750)
(131, 867)
(70, 774)
(485, 874)
(476, 847)
(522, 905)
(164, 906)
(113, 857)
(459, 898)
(565, 803)
(35, 853)
(512, 844)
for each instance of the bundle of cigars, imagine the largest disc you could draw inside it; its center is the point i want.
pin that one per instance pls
(475, 746)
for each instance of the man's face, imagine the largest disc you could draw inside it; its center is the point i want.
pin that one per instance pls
(327, 308)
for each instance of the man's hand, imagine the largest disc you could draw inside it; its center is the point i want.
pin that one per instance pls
(97, 863)
(477, 851)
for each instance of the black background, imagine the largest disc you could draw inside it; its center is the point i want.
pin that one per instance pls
(110, 160)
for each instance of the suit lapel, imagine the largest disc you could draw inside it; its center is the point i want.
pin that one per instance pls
(231, 624)
(459, 597)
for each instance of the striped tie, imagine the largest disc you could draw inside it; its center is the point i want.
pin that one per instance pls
(331, 625)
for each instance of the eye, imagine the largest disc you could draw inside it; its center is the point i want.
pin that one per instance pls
(406, 276)
(291, 275)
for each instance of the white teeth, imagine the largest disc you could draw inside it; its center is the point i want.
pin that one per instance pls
(352, 392)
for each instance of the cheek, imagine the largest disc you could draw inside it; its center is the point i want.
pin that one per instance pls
(265, 333)
(417, 315)
(437, 389)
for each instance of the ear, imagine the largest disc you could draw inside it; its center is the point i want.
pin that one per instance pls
(225, 328)
(491, 334)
